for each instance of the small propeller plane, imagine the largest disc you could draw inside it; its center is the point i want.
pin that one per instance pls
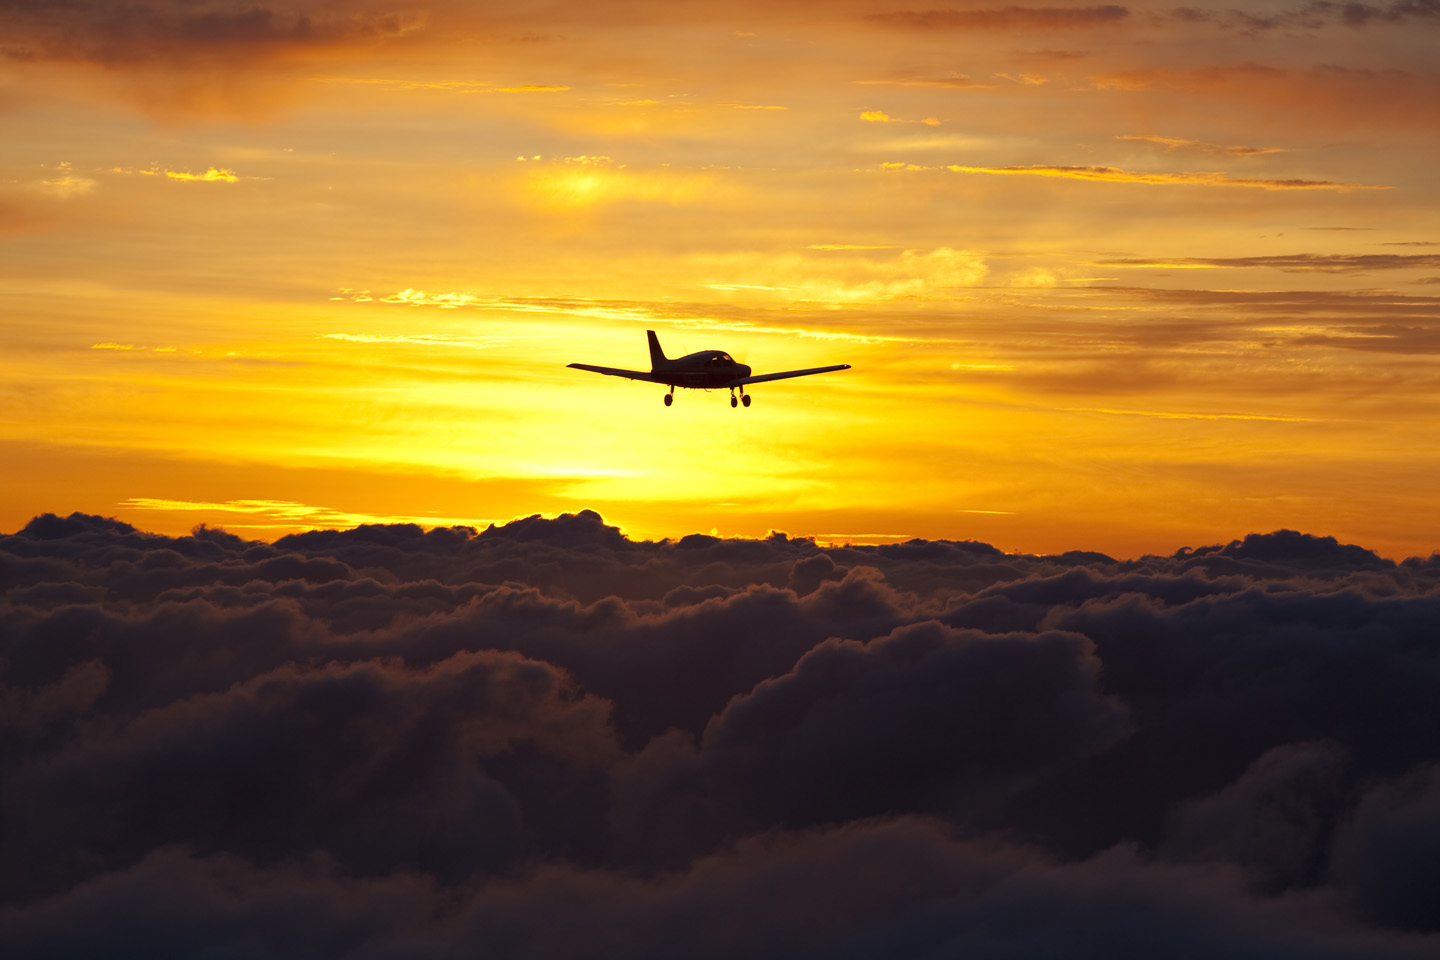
(706, 370)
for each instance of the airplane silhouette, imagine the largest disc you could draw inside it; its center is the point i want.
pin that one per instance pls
(706, 370)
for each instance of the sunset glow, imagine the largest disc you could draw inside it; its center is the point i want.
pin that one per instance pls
(1115, 278)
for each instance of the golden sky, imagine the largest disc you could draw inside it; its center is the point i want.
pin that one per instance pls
(1118, 277)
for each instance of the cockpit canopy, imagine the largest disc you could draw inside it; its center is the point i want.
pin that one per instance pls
(719, 359)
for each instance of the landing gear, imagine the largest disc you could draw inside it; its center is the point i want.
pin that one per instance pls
(745, 399)
(670, 397)
(733, 401)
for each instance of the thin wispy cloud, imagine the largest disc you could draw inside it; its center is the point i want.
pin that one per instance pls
(1314, 15)
(1178, 143)
(675, 315)
(943, 83)
(287, 514)
(454, 86)
(421, 339)
(1117, 175)
(1293, 263)
(211, 174)
(879, 116)
(1011, 17)
(66, 183)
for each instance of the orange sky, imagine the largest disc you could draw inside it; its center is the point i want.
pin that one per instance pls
(1111, 277)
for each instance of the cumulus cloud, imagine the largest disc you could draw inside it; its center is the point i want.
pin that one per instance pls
(548, 737)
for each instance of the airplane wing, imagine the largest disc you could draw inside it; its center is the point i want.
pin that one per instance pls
(614, 372)
(742, 381)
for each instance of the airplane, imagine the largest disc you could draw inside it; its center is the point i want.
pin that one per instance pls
(705, 370)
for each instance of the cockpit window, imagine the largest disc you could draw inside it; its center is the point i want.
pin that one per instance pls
(725, 359)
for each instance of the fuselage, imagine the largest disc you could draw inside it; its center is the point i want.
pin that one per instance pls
(706, 370)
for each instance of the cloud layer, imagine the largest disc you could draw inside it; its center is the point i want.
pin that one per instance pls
(190, 31)
(546, 739)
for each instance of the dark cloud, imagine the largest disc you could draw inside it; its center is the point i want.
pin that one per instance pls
(1280, 98)
(545, 739)
(1344, 303)
(1375, 321)
(115, 34)
(1389, 853)
(1380, 338)
(1006, 18)
(1273, 821)
(1314, 15)
(1302, 262)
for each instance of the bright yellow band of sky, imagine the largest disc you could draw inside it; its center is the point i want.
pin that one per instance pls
(1112, 281)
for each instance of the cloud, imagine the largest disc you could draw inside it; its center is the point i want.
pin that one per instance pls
(455, 86)
(283, 514)
(547, 735)
(943, 83)
(1176, 143)
(1006, 18)
(1373, 321)
(1316, 14)
(1389, 851)
(66, 184)
(212, 175)
(878, 116)
(420, 339)
(181, 59)
(1115, 175)
(1359, 97)
(176, 31)
(1296, 263)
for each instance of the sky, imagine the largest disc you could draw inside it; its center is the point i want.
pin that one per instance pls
(1114, 277)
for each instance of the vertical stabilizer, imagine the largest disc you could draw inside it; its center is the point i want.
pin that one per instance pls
(657, 356)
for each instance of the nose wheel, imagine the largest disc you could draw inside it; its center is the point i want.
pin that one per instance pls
(745, 399)
(670, 397)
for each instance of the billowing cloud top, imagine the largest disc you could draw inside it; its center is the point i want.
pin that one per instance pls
(545, 739)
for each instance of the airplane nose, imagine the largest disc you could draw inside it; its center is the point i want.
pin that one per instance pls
(744, 368)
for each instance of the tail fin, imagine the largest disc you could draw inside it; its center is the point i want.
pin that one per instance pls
(657, 356)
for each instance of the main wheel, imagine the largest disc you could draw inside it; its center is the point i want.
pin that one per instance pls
(669, 399)
(745, 399)
(734, 402)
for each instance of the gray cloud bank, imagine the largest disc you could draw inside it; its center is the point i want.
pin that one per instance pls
(547, 740)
